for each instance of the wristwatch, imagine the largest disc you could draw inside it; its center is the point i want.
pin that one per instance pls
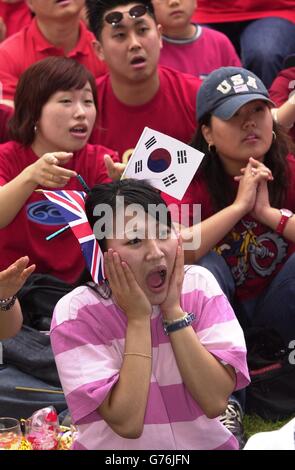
(286, 214)
(183, 322)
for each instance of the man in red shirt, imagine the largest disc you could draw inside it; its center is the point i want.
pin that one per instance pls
(55, 30)
(137, 92)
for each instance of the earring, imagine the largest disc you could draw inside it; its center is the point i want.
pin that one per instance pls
(274, 136)
(35, 128)
(210, 147)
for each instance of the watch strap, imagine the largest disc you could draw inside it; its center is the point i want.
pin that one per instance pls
(179, 324)
(282, 223)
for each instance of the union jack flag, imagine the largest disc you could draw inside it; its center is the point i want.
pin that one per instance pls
(71, 205)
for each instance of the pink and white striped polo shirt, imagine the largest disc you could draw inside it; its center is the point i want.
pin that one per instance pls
(88, 334)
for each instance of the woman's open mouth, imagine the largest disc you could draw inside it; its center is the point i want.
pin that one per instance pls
(79, 131)
(156, 278)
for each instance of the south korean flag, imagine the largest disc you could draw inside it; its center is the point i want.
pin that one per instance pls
(167, 163)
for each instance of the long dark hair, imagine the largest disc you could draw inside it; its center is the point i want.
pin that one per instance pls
(223, 194)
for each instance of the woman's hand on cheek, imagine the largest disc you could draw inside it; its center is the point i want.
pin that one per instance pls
(171, 308)
(125, 289)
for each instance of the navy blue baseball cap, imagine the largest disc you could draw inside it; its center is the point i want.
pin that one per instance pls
(226, 89)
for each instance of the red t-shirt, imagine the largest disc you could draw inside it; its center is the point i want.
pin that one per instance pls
(28, 46)
(25, 235)
(253, 252)
(15, 16)
(221, 11)
(172, 111)
(282, 86)
(6, 113)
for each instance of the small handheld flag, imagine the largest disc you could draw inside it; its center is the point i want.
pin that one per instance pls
(62, 230)
(167, 163)
(71, 205)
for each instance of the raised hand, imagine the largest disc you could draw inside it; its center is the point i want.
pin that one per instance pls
(262, 204)
(171, 305)
(13, 278)
(257, 169)
(261, 175)
(48, 171)
(262, 197)
(115, 170)
(125, 289)
(251, 176)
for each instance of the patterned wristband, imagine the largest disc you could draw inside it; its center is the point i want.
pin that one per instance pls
(169, 322)
(177, 325)
(7, 304)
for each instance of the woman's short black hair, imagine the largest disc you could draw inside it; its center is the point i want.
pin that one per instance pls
(35, 87)
(134, 192)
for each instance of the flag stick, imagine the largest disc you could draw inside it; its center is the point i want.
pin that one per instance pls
(83, 184)
(55, 234)
(44, 390)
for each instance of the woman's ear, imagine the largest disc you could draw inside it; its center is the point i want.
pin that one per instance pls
(207, 134)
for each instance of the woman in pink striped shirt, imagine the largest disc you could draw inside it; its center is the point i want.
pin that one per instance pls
(149, 364)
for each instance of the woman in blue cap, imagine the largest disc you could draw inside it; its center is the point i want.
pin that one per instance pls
(246, 188)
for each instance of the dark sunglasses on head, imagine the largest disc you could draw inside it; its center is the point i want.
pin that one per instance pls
(115, 17)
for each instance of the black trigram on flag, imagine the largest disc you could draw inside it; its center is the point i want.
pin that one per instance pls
(138, 166)
(152, 141)
(181, 156)
(171, 179)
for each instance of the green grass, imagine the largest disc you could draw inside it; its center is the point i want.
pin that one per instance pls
(253, 424)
